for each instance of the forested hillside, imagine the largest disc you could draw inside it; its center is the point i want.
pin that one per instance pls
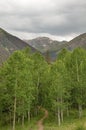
(27, 81)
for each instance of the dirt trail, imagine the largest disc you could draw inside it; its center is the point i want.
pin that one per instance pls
(40, 122)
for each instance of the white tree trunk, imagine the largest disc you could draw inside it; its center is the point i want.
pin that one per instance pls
(23, 120)
(14, 114)
(62, 118)
(61, 109)
(67, 111)
(18, 120)
(59, 119)
(28, 116)
(80, 111)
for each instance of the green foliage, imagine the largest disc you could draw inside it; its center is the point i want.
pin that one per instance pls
(27, 81)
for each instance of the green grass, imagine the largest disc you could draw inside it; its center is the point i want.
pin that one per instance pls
(28, 126)
(81, 127)
(77, 124)
(31, 126)
(71, 123)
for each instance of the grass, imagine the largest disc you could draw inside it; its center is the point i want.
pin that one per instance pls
(77, 124)
(80, 128)
(72, 123)
(28, 126)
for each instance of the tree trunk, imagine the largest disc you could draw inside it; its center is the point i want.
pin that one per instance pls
(10, 118)
(28, 116)
(62, 115)
(80, 106)
(59, 119)
(80, 111)
(61, 109)
(14, 114)
(77, 71)
(67, 111)
(18, 120)
(38, 92)
(23, 120)
(36, 111)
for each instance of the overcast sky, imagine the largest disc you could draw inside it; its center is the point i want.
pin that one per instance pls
(57, 19)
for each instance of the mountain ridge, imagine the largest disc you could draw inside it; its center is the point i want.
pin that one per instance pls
(79, 41)
(44, 43)
(10, 43)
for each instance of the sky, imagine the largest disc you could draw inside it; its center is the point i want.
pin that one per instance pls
(57, 19)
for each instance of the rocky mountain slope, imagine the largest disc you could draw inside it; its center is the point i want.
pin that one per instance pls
(4, 54)
(44, 43)
(10, 43)
(79, 41)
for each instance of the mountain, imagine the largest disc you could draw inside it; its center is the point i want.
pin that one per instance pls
(44, 43)
(79, 41)
(47, 45)
(10, 43)
(4, 54)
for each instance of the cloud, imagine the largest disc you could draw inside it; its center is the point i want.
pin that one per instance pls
(54, 18)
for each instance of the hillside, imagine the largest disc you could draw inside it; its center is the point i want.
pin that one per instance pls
(10, 43)
(44, 43)
(79, 41)
(4, 54)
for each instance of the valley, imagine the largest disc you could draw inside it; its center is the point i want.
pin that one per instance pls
(37, 92)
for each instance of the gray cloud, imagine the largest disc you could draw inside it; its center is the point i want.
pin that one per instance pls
(62, 18)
